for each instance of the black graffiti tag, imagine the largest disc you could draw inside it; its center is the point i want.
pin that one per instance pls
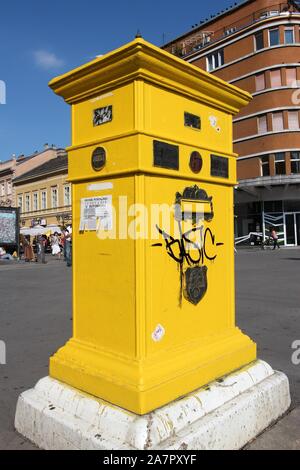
(177, 248)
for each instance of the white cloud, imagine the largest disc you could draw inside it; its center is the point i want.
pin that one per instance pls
(47, 60)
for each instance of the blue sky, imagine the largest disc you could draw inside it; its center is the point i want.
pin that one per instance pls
(39, 40)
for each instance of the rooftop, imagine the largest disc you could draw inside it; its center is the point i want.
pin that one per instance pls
(55, 165)
(203, 34)
(22, 158)
(204, 23)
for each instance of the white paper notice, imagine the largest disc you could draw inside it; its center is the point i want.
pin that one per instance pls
(96, 212)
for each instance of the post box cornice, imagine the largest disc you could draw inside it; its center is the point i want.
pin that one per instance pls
(140, 60)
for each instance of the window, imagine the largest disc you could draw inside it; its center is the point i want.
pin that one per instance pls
(277, 119)
(67, 195)
(293, 120)
(260, 83)
(289, 36)
(295, 162)
(27, 202)
(275, 76)
(292, 205)
(265, 165)
(35, 201)
(273, 206)
(262, 124)
(274, 37)
(2, 189)
(291, 77)
(215, 60)
(210, 63)
(44, 199)
(259, 41)
(20, 202)
(54, 197)
(280, 163)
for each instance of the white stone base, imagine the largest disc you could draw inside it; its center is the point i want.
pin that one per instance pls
(226, 414)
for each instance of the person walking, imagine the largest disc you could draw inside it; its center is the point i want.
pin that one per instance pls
(28, 251)
(274, 237)
(68, 247)
(40, 249)
(55, 245)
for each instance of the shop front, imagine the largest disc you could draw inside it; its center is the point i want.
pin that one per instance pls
(259, 210)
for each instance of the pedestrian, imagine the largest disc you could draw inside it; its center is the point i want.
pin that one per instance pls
(274, 237)
(55, 245)
(40, 249)
(68, 247)
(28, 251)
(63, 243)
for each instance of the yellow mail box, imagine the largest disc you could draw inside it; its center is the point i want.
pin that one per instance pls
(152, 171)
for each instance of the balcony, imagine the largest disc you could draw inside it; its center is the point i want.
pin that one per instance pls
(201, 39)
(268, 181)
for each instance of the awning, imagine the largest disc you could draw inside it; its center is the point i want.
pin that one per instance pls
(39, 230)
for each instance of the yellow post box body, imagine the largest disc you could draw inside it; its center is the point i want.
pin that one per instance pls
(153, 291)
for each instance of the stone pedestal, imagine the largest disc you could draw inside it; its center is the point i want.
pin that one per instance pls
(226, 414)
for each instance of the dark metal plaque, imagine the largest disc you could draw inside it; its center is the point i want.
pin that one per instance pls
(166, 155)
(191, 120)
(196, 162)
(98, 158)
(219, 166)
(102, 115)
(195, 284)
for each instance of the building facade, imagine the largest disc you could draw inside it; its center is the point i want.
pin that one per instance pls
(255, 45)
(6, 191)
(15, 167)
(44, 195)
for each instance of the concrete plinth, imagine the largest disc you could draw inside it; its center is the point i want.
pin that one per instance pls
(226, 414)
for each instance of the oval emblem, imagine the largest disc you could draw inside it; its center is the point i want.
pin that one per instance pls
(98, 158)
(196, 162)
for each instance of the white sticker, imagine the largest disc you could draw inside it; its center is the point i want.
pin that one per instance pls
(96, 212)
(214, 123)
(99, 186)
(158, 333)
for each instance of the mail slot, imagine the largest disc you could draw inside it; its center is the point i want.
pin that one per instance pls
(153, 170)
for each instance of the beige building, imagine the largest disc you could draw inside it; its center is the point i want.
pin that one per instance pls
(44, 195)
(16, 167)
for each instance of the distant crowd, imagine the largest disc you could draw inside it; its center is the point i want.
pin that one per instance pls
(34, 249)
